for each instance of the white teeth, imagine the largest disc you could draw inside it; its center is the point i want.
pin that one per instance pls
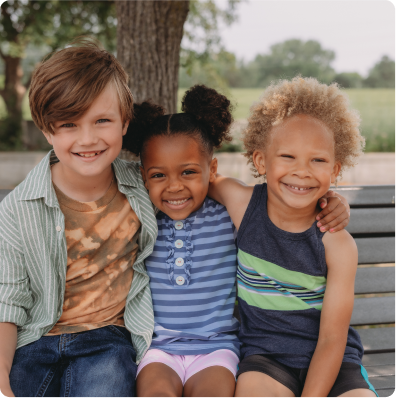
(298, 189)
(88, 155)
(177, 202)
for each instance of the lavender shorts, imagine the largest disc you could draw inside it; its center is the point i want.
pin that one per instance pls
(187, 365)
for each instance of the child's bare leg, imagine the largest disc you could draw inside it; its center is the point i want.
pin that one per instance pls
(158, 380)
(358, 392)
(215, 381)
(257, 384)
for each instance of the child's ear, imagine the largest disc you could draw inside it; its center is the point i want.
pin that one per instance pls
(125, 127)
(336, 171)
(259, 162)
(213, 169)
(144, 177)
(48, 137)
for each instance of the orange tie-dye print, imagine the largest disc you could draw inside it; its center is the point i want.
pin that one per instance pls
(101, 240)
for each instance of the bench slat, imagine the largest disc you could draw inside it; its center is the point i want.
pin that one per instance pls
(383, 382)
(375, 280)
(368, 220)
(376, 250)
(380, 370)
(387, 392)
(378, 340)
(386, 358)
(369, 311)
(368, 195)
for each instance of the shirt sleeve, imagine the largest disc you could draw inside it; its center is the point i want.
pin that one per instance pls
(15, 294)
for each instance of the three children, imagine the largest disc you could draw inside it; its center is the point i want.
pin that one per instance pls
(76, 312)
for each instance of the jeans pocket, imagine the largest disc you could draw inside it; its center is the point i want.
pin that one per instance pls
(120, 333)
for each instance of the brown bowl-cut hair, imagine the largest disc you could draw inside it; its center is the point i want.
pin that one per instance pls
(66, 83)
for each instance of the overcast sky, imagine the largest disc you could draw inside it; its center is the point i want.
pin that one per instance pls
(360, 32)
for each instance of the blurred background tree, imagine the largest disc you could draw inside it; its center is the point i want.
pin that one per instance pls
(149, 36)
(382, 74)
(36, 28)
(169, 44)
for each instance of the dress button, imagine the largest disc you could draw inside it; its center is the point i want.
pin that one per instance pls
(179, 225)
(59, 314)
(179, 243)
(179, 262)
(58, 228)
(180, 280)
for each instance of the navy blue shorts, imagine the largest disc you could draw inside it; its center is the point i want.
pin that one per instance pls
(350, 377)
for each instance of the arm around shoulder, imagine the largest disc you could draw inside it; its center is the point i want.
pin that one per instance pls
(233, 194)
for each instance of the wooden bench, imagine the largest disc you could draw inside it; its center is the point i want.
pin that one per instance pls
(373, 227)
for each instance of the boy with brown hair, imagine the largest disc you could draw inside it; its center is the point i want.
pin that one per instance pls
(75, 306)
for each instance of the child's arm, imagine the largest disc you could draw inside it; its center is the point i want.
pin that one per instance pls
(235, 196)
(8, 342)
(341, 258)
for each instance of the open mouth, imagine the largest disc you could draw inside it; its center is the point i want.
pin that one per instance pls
(177, 202)
(298, 189)
(88, 154)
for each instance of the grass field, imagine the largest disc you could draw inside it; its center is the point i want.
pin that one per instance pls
(376, 107)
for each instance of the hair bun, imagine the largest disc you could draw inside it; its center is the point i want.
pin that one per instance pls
(144, 116)
(212, 110)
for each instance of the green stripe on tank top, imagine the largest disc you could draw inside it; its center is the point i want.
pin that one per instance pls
(268, 286)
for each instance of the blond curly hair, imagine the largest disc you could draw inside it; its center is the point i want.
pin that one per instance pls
(305, 96)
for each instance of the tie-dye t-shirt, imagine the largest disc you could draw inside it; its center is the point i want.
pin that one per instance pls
(101, 239)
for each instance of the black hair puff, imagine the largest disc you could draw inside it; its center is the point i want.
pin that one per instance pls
(144, 116)
(212, 110)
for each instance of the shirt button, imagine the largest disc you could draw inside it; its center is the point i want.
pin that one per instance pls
(179, 225)
(179, 243)
(59, 314)
(179, 262)
(180, 280)
(58, 228)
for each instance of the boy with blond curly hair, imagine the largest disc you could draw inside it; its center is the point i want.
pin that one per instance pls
(75, 306)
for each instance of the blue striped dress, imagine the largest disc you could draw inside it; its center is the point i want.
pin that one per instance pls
(192, 278)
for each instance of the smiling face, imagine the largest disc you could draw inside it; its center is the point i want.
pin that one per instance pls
(86, 147)
(177, 173)
(299, 162)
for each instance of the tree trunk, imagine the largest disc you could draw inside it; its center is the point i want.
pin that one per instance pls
(12, 93)
(149, 34)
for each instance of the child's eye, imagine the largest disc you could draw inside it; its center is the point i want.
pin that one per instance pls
(319, 160)
(158, 175)
(67, 125)
(287, 156)
(188, 172)
(102, 120)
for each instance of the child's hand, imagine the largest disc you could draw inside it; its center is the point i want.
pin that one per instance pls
(335, 214)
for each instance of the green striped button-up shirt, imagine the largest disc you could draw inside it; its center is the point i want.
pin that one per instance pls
(33, 255)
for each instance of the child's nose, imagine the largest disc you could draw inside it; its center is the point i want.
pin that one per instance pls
(175, 185)
(302, 170)
(87, 136)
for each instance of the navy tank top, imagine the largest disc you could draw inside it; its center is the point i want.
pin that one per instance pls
(281, 283)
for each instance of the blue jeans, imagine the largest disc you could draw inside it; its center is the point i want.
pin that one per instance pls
(95, 363)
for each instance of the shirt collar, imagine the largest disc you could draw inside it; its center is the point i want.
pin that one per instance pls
(38, 183)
